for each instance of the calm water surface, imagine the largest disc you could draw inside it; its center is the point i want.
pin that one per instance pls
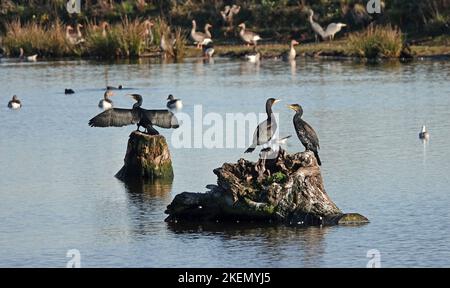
(57, 190)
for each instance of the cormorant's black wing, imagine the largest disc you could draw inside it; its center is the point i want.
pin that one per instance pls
(306, 134)
(116, 117)
(161, 118)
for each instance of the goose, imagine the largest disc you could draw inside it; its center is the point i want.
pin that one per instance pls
(424, 134)
(31, 58)
(106, 103)
(72, 38)
(119, 117)
(306, 134)
(228, 15)
(199, 37)
(105, 26)
(247, 36)
(167, 45)
(289, 56)
(266, 129)
(173, 103)
(14, 103)
(148, 32)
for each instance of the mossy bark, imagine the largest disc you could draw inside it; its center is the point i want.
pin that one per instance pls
(147, 157)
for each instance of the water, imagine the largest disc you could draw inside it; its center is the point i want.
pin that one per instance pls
(57, 190)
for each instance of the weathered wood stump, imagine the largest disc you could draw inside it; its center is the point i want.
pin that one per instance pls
(288, 189)
(147, 158)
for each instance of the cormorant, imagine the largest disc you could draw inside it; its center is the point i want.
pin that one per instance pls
(173, 103)
(69, 91)
(305, 132)
(106, 103)
(265, 130)
(424, 135)
(119, 117)
(14, 103)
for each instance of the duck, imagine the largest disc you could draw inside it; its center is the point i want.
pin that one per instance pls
(291, 54)
(247, 36)
(14, 103)
(199, 37)
(68, 91)
(120, 87)
(208, 48)
(106, 103)
(424, 134)
(253, 57)
(31, 58)
(173, 103)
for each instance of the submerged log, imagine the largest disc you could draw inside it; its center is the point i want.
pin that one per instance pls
(147, 158)
(288, 189)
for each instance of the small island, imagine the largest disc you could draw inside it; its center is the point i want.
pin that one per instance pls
(287, 190)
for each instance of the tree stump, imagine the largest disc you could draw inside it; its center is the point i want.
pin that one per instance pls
(288, 190)
(147, 158)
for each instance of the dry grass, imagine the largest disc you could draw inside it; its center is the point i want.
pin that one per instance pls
(376, 41)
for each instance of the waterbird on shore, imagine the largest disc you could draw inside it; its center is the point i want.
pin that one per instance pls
(424, 134)
(305, 132)
(266, 129)
(68, 91)
(106, 103)
(329, 33)
(248, 36)
(31, 58)
(14, 103)
(148, 32)
(173, 103)
(74, 38)
(228, 14)
(291, 54)
(119, 117)
(199, 37)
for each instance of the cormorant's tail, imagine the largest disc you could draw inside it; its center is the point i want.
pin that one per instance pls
(318, 158)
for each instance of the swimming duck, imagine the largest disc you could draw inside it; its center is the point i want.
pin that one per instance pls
(14, 103)
(106, 103)
(424, 134)
(173, 103)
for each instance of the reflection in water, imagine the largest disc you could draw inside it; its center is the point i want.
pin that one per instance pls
(146, 202)
(293, 65)
(307, 245)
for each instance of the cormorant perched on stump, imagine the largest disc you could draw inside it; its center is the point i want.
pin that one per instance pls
(118, 117)
(265, 130)
(305, 132)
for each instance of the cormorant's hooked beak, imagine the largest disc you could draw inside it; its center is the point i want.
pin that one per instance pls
(276, 101)
(292, 107)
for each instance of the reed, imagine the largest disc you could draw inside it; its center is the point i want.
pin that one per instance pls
(376, 41)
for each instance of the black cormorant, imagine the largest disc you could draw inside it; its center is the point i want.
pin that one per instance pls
(14, 103)
(69, 91)
(119, 117)
(173, 103)
(305, 132)
(106, 103)
(265, 130)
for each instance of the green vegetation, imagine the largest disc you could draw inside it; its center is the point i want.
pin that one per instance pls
(376, 42)
(39, 26)
(278, 177)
